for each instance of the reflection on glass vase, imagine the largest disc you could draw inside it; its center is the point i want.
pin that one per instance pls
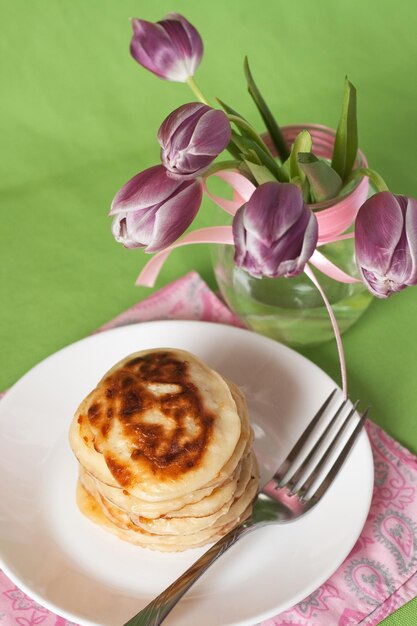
(291, 310)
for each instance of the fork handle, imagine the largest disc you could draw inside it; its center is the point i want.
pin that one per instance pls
(157, 610)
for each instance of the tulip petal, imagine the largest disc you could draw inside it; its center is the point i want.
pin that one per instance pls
(239, 236)
(211, 134)
(272, 210)
(411, 233)
(141, 224)
(147, 188)
(176, 119)
(175, 215)
(386, 243)
(122, 234)
(171, 49)
(378, 230)
(290, 253)
(151, 47)
(191, 137)
(187, 40)
(274, 246)
(311, 235)
(381, 286)
(119, 231)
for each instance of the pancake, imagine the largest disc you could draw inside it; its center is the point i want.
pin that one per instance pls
(219, 491)
(92, 510)
(207, 499)
(193, 523)
(82, 444)
(159, 526)
(164, 450)
(160, 424)
(246, 436)
(84, 447)
(116, 521)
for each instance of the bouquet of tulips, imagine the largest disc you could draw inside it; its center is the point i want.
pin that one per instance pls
(275, 231)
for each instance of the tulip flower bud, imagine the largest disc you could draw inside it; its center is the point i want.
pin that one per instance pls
(386, 243)
(152, 210)
(171, 49)
(275, 233)
(191, 138)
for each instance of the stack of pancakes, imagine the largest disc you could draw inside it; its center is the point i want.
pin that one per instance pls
(164, 450)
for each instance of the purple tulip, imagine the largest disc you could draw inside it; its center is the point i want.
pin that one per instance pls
(152, 210)
(275, 233)
(386, 243)
(191, 138)
(171, 49)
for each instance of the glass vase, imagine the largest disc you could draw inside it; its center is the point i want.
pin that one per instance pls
(291, 310)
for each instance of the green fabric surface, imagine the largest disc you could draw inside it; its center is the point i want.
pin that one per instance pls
(406, 616)
(79, 117)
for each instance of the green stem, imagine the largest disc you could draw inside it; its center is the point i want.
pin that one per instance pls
(196, 90)
(222, 165)
(375, 178)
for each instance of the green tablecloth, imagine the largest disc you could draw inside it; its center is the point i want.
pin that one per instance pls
(79, 117)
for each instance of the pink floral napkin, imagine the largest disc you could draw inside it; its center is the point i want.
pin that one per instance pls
(378, 576)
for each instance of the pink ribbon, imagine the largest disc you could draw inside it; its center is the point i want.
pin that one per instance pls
(330, 269)
(334, 220)
(242, 191)
(309, 272)
(211, 234)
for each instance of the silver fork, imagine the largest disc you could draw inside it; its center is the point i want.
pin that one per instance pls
(286, 497)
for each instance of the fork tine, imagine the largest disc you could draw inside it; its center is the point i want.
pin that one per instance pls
(299, 472)
(334, 470)
(315, 473)
(286, 464)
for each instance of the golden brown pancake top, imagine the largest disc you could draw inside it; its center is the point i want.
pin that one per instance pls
(160, 412)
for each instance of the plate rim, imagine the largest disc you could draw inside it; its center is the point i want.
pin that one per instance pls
(319, 580)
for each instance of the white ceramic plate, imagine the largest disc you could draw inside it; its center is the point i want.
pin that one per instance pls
(81, 572)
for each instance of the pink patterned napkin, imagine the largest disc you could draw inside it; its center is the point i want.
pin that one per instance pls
(378, 576)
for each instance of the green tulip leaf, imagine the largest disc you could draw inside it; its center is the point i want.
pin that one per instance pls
(302, 143)
(253, 157)
(285, 167)
(324, 182)
(233, 149)
(248, 148)
(250, 140)
(346, 143)
(269, 162)
(243, 145)
(229, 109)
(260, 173)
(245, 171)
(304, 186)
(269, 120)
(244, 126)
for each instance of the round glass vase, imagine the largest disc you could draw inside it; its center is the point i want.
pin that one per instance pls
(291, 310)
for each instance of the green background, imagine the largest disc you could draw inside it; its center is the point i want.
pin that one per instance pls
(79, 117)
